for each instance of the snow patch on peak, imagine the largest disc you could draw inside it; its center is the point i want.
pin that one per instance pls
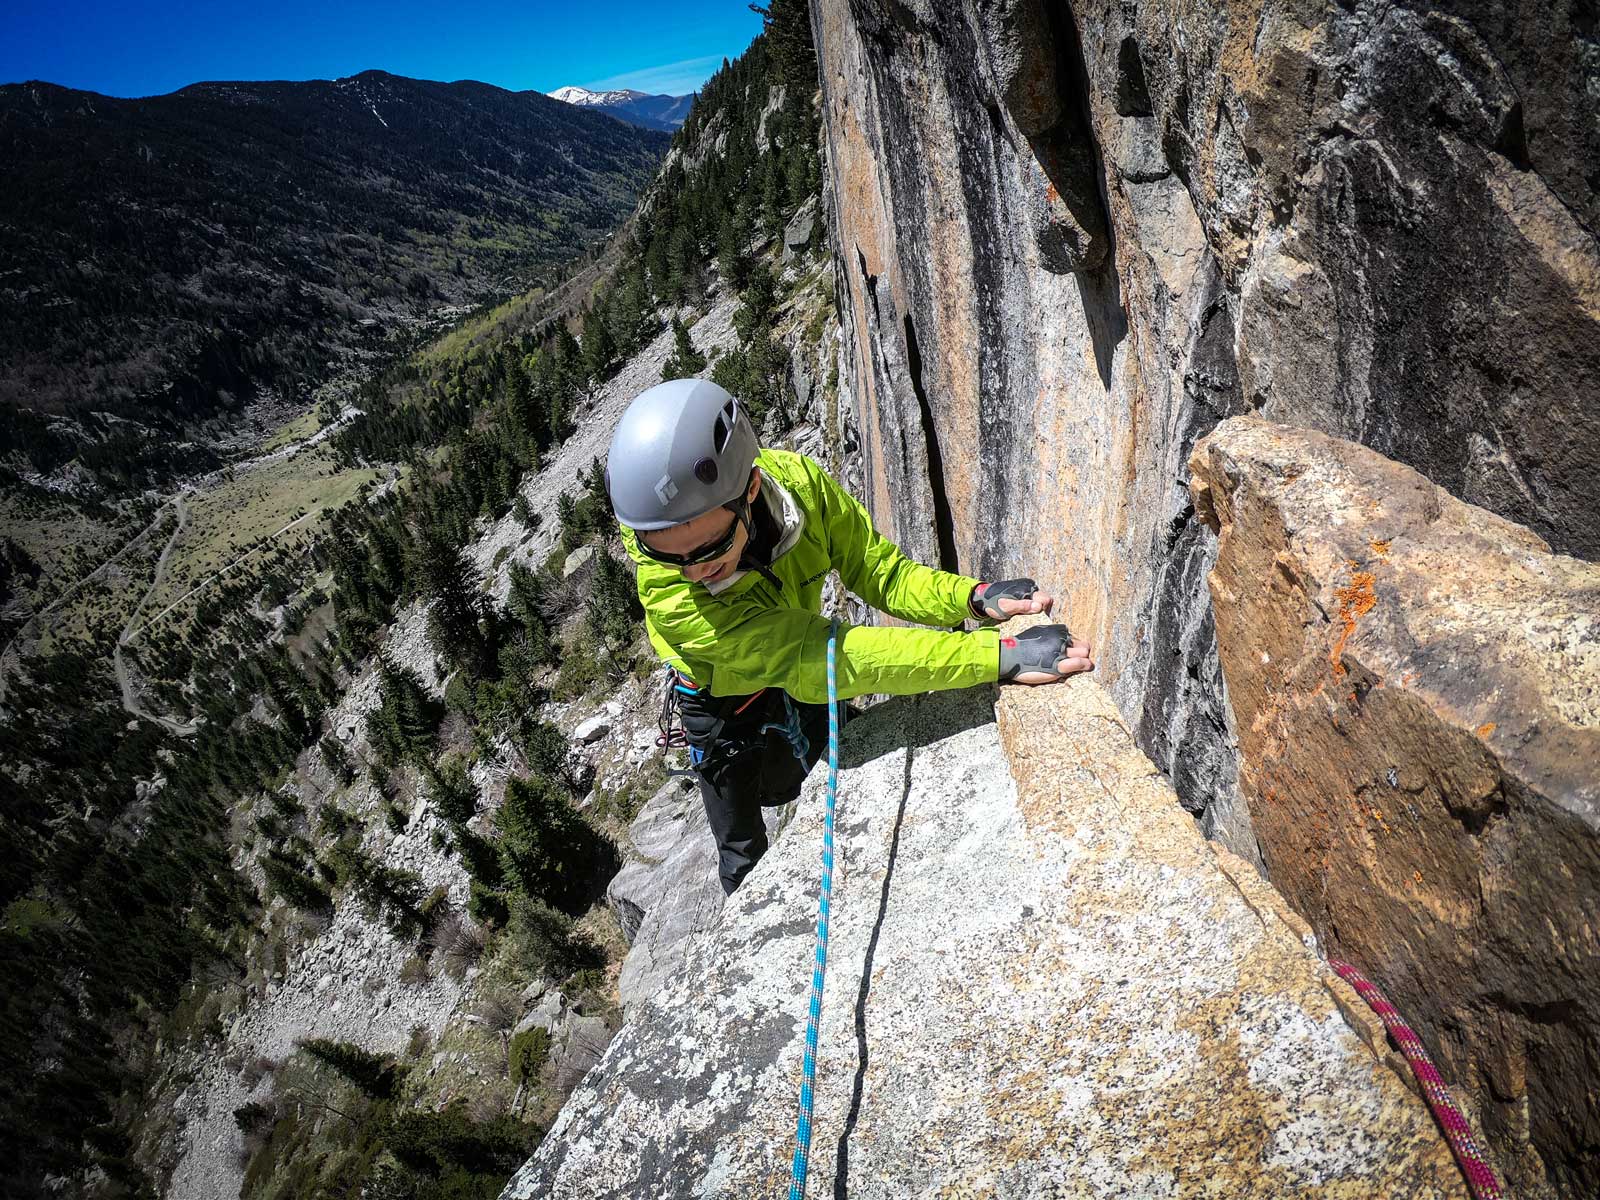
(578, 95)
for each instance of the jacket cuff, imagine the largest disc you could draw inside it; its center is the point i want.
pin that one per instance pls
(976, 612)
(989, 639)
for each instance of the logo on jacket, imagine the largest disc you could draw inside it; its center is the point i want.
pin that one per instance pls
(666, 490)
(813, 579)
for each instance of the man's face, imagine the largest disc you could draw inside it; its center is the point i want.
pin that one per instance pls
(706, 529)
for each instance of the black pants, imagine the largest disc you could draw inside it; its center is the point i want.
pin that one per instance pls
(743, 770)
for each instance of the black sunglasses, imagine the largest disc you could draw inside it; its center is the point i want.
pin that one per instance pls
(700, 554)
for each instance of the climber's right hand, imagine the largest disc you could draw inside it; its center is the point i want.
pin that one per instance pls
(1043, 654)
(1007, 598)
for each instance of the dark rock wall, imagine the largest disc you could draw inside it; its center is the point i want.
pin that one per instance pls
(1403, 199)
(1072, 239)
(1416, 685)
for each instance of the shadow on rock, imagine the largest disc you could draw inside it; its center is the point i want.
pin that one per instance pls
(912, 722)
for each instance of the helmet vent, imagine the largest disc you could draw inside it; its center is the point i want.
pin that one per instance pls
(719, 436)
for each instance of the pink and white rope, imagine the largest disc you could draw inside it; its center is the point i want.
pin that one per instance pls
(1480, 1176)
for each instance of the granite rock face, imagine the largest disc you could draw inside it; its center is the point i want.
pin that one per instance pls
(1071, 239)
(1417, 688)
(1047, 987)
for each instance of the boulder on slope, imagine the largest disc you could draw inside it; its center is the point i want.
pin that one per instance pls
(1059, 990)
(668, 892)
(663, 824)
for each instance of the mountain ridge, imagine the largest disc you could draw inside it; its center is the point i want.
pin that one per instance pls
(169, 257)
(652, 111)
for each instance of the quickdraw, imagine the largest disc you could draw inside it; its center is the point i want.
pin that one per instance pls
(672, 735)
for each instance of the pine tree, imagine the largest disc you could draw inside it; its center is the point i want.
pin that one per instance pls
(335, 759)
(389, 893)
(457, 619)
(525, 515)
(572, 533)
(455, 796)
(287, 879)
(546, 850)
(787, 26)
(685, 362)
(758, 303)
(774, 194)
(480, 857)
(545, 748)
(658, 268)
(569, 372)
(529, 603)
(683, 265)
(631, 315)
(404, 723)
(613, 609)
(733, 264)
(378, 1076)
(599, 346)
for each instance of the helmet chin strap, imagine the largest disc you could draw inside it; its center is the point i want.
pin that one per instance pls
(741, 511)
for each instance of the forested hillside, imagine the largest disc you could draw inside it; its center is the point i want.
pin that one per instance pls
(157, 884)
(167, 258)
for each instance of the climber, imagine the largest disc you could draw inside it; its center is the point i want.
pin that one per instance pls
(733, 544)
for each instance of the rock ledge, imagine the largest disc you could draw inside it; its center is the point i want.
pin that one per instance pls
(1053, 987)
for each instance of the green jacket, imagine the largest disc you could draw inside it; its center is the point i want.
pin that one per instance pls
(742, 634)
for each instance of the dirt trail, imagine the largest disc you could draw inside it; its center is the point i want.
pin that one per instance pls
(10, 657)
(129, 701)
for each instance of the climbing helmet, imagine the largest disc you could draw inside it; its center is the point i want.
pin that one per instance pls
(683, 448)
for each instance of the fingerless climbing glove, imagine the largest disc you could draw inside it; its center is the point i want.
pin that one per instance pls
(1037, 648)
(986, 597)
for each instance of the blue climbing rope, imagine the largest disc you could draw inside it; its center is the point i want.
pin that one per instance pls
(790, 728)
(802, 1133)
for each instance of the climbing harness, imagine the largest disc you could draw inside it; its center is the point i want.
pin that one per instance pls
(1480, 1176)
(673, 735)
(802, 1133)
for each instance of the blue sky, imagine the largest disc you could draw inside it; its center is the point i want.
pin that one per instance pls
(149, 49)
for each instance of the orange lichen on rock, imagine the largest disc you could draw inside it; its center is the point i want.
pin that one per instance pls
(1486, 729)
(1380, 547)
(1356, 599)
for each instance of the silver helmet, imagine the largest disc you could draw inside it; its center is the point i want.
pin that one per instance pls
(683, 448)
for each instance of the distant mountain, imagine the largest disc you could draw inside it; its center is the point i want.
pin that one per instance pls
(637, 108)
(162, 259)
